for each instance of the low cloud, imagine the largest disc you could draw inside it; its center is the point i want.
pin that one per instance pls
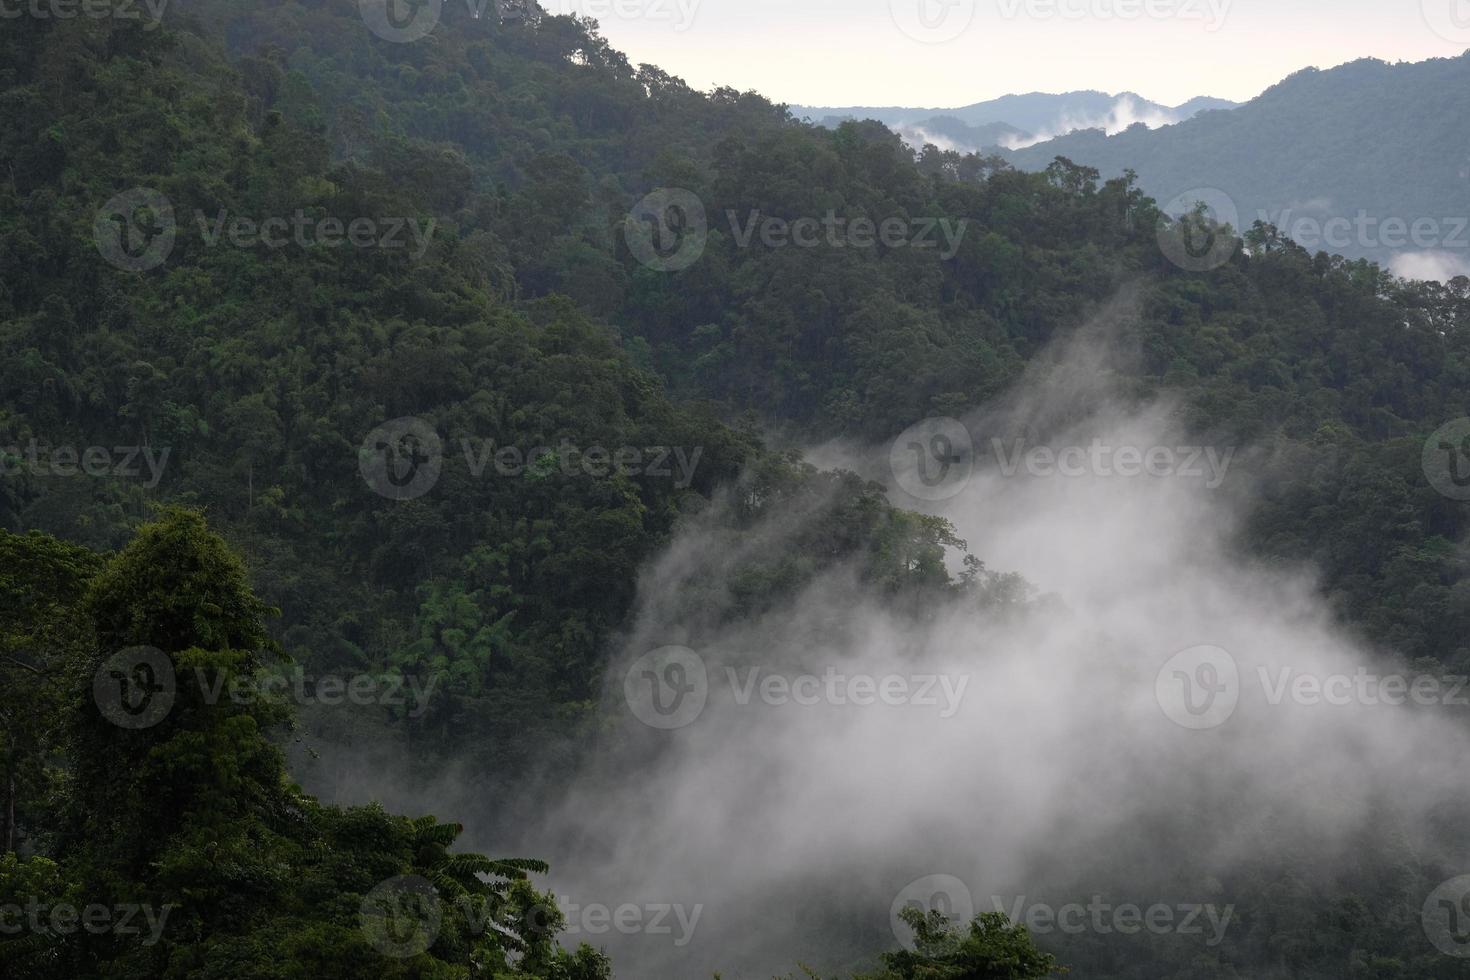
(1433, 265)
(1125, 112)
(1070, 766)
(1060, 775)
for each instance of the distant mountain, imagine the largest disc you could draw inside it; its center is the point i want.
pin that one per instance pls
(1382, 147)
(1017, 120)
(950, 133)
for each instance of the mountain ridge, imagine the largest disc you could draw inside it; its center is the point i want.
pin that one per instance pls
(1017, 120)
(980, 111)
(1322, 171)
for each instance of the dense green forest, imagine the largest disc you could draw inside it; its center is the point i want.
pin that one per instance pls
(220, 372)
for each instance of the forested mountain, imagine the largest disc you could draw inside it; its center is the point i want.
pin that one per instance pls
(181, 293)
(1299, 156)
(1018, 120)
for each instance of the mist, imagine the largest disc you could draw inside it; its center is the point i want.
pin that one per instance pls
(1037, 747)
(1060, 774)
(1125, 112)
(1438, 266)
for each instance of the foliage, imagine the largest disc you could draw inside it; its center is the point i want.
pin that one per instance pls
(194, 820)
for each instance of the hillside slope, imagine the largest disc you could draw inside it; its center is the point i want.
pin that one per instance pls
(1387, 142)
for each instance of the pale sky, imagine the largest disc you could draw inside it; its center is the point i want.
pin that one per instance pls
(854, 52)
